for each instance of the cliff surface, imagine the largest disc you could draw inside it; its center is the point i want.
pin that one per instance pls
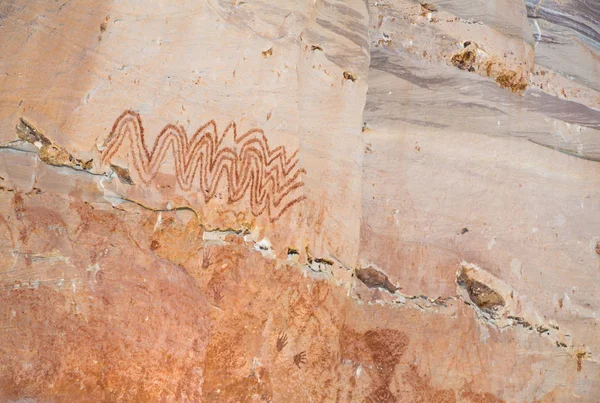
(300, 201)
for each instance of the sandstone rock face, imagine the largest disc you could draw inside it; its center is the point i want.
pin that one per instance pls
(300, 201)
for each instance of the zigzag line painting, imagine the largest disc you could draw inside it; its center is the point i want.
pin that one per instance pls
(245, 163)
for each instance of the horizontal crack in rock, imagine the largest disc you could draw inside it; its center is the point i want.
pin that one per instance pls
(483, 296)
(497, 304)
(49, 152)
(205, 228)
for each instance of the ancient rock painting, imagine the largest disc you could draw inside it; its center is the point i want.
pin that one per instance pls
(281, 341)
(243, 162)
(300, 358)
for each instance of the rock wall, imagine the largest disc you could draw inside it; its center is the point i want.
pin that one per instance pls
(300, 201)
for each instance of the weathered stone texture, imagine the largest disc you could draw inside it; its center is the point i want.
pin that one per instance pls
(308, 201)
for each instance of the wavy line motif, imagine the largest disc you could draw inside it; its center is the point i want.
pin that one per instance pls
(272, 179)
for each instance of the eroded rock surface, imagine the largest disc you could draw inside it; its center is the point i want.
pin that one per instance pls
(300, 201)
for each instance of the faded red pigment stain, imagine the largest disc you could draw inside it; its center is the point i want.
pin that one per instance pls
(208, 329)
(101, 323)
(63, 355)
(380, 351)
(480, 397)
(271, 329)
(174, 241)
(382, 347)
(422, 387)
(225, 359)
(270, 177)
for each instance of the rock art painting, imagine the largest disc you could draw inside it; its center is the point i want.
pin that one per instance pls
(270, 178)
